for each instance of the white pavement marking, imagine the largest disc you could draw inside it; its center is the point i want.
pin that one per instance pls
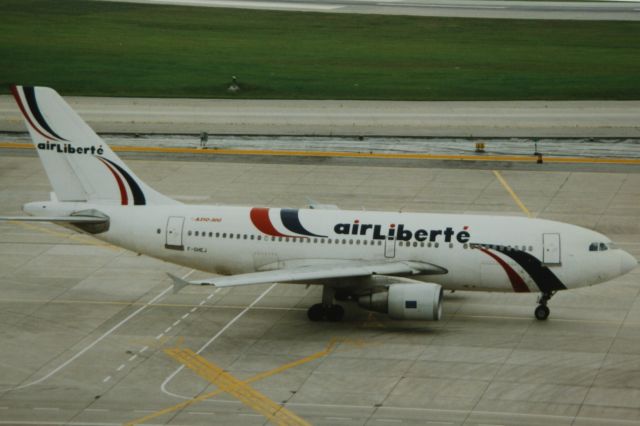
(101, 338)
(120, 367)
(134, 356)
(143, 349)
(106, 379)
(185, 315)
(159, 336)
(163, 387)
(176, 323)
(193, 310)
(168, 329)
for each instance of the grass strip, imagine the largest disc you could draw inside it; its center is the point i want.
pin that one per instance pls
(116, 49)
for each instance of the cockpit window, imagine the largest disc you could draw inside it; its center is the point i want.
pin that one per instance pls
(599, 246)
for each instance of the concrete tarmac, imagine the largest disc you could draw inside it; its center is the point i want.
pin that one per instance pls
(350, 118)
(92, 334)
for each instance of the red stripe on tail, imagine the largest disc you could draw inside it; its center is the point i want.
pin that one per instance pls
(16, 95)
(124, 199)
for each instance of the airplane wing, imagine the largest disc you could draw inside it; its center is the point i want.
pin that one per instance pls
(314, 272)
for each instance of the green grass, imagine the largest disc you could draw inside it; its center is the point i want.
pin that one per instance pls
(93, 48)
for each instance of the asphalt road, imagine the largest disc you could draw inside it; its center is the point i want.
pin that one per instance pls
(608, 119)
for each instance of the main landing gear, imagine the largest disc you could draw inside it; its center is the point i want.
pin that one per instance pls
(327, 309)
(542, 311)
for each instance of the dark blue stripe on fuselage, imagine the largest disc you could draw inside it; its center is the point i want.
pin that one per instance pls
(30, 95)
(291, 221)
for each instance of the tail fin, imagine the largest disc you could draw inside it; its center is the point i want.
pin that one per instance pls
(79, 164)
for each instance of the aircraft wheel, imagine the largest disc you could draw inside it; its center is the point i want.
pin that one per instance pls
(335, 313)
(316, 312)
(542, 312)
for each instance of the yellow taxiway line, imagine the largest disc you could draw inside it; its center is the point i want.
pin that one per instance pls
(327, 154)
(235, 385)
(512, 193)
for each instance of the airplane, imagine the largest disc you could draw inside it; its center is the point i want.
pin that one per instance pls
(396, 263)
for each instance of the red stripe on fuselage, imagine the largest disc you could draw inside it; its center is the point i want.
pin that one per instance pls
(124, 199)
(16, 95)
(260, 218)
(516, 280)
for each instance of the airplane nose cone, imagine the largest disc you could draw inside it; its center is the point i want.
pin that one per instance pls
(627, 263)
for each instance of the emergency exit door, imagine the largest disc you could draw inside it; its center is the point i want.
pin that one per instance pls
(174, 233)
(551, 249)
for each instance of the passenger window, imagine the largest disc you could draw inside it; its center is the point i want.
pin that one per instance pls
(196, 233)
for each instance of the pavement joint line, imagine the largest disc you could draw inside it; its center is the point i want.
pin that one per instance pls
(330, 347)
(125, 303)
(76, 237)
(250, 397)
(512, 193)
(101, 338)
(379, 155)
(163, 386)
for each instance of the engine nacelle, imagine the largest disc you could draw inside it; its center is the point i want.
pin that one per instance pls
(411, 301)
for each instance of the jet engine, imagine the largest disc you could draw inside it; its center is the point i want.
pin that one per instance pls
(410, 301)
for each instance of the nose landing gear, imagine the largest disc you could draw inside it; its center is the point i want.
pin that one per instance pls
(542, 310)
(327, 309)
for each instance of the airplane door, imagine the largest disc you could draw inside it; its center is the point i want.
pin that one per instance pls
(174, 233)
(551, 249)
(390, 247)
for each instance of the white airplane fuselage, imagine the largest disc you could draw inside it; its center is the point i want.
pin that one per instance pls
(229, 240)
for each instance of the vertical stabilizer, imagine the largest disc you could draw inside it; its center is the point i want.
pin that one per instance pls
(79, 164)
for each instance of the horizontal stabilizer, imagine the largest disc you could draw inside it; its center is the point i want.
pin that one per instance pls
(63, 219)
(178, 283)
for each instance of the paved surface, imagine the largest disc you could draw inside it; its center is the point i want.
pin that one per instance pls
(85, 327)
(329, 118)
(572, 10)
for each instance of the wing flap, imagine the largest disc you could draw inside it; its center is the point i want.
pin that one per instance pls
(317, 272)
